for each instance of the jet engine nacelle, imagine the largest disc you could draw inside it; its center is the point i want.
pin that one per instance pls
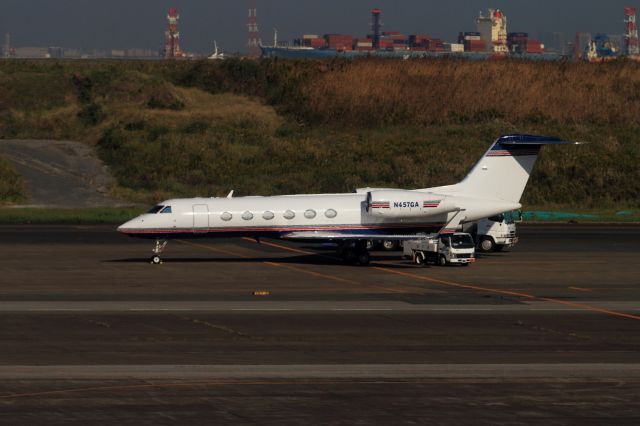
(406, 204)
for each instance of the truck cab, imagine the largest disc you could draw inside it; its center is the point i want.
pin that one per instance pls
(442, 249)
(497, 232)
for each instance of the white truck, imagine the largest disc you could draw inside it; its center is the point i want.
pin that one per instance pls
(495, 233)
(442, 249)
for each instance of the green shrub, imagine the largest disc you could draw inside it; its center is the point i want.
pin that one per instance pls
(12, 187)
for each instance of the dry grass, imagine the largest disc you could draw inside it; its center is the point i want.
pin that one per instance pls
(440, 92)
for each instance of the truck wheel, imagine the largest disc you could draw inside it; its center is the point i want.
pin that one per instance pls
(420, 260)
(442, 261)
(487, 245)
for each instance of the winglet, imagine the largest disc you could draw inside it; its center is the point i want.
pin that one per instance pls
(230, 194)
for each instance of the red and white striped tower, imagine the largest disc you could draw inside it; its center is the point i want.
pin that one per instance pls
(631, 36)
(254, 35)
(172, 36)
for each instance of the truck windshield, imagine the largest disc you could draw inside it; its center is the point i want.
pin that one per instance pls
(461, 241)
(508, 217)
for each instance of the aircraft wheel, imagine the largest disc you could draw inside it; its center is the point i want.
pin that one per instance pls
(442, 261)
(390, 245)
(420, 260)
(349, 257)
(156, 260)
(487, 245)
(363, 258)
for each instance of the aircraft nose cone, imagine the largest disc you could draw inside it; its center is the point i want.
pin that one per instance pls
(125, 227)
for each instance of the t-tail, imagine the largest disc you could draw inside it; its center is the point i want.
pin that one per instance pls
(503, 171)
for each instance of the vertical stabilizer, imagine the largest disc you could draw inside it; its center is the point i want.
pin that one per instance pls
(503, 171)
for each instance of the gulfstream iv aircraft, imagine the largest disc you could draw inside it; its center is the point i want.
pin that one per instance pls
(495, 185)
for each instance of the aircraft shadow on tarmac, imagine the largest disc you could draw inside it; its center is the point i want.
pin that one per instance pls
(312, 259)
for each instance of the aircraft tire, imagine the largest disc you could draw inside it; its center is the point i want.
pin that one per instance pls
(363, 258)
(349, 257)
(156, 260)
(390, 245)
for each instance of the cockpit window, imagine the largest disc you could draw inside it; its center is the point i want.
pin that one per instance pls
(155, 209)
(166, 210)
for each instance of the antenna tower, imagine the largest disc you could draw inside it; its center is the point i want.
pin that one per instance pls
(631, 36)
(254, 35)
(172, 36)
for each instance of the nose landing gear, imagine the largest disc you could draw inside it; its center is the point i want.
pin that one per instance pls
(157, 251)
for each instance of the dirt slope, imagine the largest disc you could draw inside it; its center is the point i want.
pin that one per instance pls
(60, 173)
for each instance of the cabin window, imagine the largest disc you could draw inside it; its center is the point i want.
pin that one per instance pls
(155, 209)
(289, 214)
(166, 210)
(268, 215)
(247, 215)
(331, 213)
(226, 216)
(310, 214)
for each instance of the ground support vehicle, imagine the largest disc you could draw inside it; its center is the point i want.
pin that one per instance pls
(442, 249)
(494, 233)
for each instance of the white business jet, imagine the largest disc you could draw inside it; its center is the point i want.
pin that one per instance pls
(495, 185)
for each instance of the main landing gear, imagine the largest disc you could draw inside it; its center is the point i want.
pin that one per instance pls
(157, 251)
(354, 253)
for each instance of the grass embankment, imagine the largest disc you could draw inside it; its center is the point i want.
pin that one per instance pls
(270, 127)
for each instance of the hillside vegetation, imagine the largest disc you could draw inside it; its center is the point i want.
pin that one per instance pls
(272, 127)
(12, 186)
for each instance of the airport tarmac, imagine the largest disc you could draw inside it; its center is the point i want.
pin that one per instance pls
(231, 331)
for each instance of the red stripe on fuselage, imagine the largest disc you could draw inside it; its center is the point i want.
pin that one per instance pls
(274, 229)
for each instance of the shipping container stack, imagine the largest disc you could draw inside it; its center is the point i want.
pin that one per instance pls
(313, 40)
(520, 43)
(517, 42)
(472, 42)
(535, 46)
(363, 44)
(339, 41)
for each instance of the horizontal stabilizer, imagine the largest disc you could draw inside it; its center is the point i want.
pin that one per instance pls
(515, 140)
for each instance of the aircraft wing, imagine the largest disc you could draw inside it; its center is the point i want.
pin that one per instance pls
(337, 235)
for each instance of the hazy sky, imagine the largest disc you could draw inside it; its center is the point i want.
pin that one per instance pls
(140, 23)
